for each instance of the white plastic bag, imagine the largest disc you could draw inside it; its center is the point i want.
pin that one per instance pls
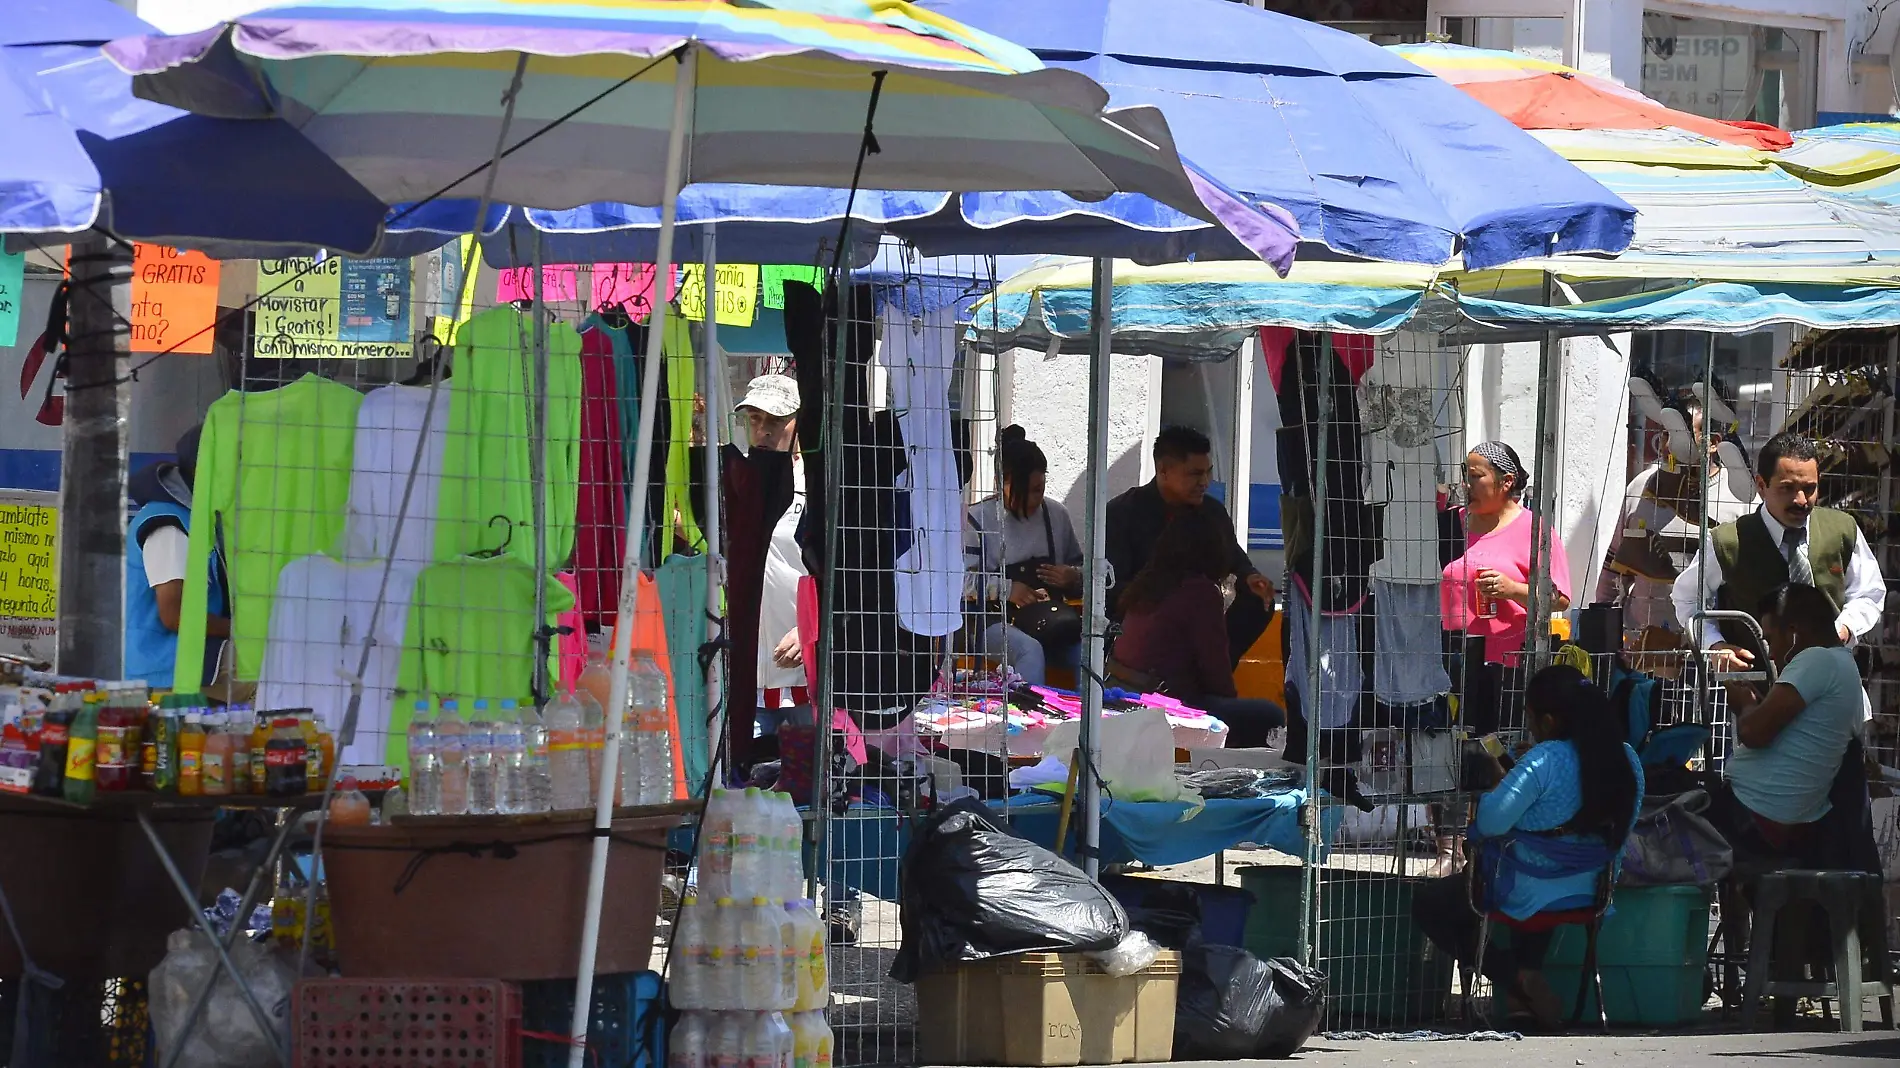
(1137, 755)
(226, 1035)
(1134, 953)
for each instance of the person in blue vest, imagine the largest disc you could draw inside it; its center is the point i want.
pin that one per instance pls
(157, 541)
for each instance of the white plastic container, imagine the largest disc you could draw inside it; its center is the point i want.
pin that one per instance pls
(761, 981)
(725, 1039)
(751, 830)
(812, 1041)
(687, 984)
(715, 846)
(814, 980)
(687, 1046)
(725, 956)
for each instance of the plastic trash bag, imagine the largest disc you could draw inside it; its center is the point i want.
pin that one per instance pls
(1235, 1006)
(1137, 755)
(226, 1035)
(1673, 844)
(973, 891)
(1132, 954)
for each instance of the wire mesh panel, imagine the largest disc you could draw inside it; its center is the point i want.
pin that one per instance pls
(914, 594)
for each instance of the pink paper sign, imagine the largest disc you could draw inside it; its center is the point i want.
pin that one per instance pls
(559, 282)
(629, 286)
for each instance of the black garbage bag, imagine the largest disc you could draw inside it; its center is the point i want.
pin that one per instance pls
(1234, 1006)
(973, 891)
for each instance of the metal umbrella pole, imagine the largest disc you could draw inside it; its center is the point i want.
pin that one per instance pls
(1095, 584)
(538, 476)
(710, 523)
(683, 84)
(1544, 490)
(1311, 701)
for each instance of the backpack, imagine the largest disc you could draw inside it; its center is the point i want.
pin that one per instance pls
(1637, 698)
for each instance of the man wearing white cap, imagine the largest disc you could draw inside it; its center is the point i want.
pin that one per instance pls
(770, 408)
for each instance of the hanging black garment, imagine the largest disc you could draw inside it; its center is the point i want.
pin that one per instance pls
(876, 666)
(757, 489)
(1354, 539)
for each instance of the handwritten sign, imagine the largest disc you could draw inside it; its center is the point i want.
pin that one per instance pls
(558, 282)
(29, 568)
(737, 293)
(12, 292)
(772, 278)
(332, 309)
(174, 300)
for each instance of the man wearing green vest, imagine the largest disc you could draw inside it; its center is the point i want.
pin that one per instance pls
(1789, 539)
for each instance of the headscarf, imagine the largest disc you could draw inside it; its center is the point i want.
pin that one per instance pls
(1503, 459)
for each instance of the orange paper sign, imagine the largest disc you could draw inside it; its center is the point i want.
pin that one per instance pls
(174, 300)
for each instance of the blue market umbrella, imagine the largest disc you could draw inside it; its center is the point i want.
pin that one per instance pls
(85, 152)
(1373, 156)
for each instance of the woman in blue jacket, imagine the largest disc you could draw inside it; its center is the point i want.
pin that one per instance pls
(1544, 835)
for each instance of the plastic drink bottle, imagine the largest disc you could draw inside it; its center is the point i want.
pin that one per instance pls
(787, 1039)
(117, 751)
(82, 743)
(791, 836)
(425, 763)
(725, 954)
(761, 1046)
(568, 780)
(237, 724)
(790, 953)
(761, 982)
(286, 759)
(809, 934)
(191, 753)
(260, 741)
(646, 694)
(593, 740)
(450, 735)
(534, 743)
(215, 765)
(751, 826)
(726, 1040)
(348, 806)
(715, 846)
(687, 984)
(483, 768)
(813, 1028)
(686, 1046)
(49, 776)
(511, 761)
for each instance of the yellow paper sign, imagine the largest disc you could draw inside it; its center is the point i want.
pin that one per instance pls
(332, 309)
(29, 563)
(737, 292)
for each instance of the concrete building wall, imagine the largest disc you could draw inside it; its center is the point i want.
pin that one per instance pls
(1048, 397)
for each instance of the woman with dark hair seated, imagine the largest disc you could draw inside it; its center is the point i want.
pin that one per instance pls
(1174, 628)
(1546, 834)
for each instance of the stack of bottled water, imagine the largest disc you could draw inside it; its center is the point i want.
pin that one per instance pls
(748, 969)
(496, 764)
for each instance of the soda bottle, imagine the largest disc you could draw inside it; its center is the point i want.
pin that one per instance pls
(316, 775)
(425, 763)
(191, 755)
(570, 786)
(686, 1046)
(451, 741)
(286, 773)
(49, 777)
(483, 768)
(81, 748)
(119, 745)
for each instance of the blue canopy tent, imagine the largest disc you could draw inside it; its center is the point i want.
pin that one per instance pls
(87, 153)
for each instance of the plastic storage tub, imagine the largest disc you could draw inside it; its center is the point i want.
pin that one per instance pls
(1652, 954)
(1379, 965)
(1063, 1010)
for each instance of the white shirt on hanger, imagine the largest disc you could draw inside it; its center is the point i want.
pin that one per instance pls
(920, 355)
(388, 431)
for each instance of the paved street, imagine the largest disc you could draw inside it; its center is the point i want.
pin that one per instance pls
(1626, 1051)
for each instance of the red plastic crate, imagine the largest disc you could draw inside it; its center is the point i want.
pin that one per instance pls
(394, 1023)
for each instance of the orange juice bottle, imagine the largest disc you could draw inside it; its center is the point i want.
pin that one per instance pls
(259, 738)
(191, 755)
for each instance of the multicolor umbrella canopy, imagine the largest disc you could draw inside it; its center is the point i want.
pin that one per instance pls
(1859, 161)
(407, 96)
(85, 152)
(1536, 94)
(1373, 157)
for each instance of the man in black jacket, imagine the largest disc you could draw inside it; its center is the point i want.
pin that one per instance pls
(1183, 471)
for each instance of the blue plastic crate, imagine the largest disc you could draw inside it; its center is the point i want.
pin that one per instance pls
(627, 1028)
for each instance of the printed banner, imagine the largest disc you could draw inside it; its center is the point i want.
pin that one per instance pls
(737, 293)
(12, 294)
(174, 300)
(332, 309)
(559, 281)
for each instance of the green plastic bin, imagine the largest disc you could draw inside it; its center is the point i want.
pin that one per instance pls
(1379, 966)
(1652, 954)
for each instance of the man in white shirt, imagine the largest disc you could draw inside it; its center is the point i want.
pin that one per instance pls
(1656, 536)
(1788, 539)
(770, 407)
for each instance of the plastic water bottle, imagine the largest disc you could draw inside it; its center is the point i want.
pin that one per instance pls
(686, 982)
(686, 1047)
(789, 955)
(761, 1048)
(715, 846)
(593, 740)
(751, 828)
(534, 741)
(569, 783)
(790, 831)
(451, 739)
(725, 1040)
(724, 954)
(762, 986)
(483, 769)
(787, 1039)
(425, 763)
(513, 779)
(647, 692)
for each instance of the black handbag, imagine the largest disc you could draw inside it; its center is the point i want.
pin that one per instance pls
(1053, 623)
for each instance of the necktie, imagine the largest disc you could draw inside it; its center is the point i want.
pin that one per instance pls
(1800, 570)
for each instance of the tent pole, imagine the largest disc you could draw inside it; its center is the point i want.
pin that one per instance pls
(716, 410)
(1544, 487)
(683, 86)
(91, 606)
(1312, 702)
(1095, 586)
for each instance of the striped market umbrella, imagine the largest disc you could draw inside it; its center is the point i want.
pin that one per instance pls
(1536, 94)
(405, 95)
